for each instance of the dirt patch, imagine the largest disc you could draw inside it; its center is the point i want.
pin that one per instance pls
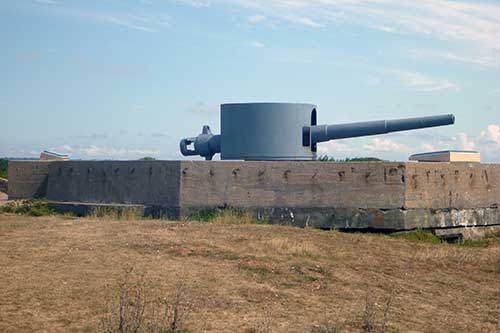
(57, 272)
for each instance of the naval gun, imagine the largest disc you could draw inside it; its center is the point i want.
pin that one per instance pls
(286, 131)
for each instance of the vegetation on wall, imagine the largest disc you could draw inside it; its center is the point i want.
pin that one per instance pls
(3, 167)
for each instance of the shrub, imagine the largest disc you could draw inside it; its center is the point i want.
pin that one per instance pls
(28, 207)
(136, 309)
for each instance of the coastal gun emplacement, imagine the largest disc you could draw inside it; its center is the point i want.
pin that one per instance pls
(286, 131)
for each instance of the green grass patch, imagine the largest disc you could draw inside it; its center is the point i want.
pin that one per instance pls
(474, 242)
(419, 235)
(29, 207)
(226, 216)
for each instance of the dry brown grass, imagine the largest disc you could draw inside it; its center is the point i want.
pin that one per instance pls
(57, 273)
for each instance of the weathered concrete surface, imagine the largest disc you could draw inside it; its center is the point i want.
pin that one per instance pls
(292, 184)
(467, 232)
(28, 179)
(124, 182)
(373, 195)
(452, 185)
(4, 185)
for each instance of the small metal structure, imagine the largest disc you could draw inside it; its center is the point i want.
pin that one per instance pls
(286, 131)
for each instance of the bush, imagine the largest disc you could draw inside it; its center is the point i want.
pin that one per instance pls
(29, 207)
(135, 308)
(4, 168)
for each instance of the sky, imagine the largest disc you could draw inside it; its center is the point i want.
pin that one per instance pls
(124, 79)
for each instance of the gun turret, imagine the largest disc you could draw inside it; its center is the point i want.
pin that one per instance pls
(285, 131)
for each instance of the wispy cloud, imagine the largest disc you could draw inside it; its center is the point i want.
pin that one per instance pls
(487, 58)
(400, 146)
(139, 19)
(410, 80)
(93, 151)
(473, 27)
(203, 108)
(47, 2)
(257, 18)
(28, 55)
(257, 45)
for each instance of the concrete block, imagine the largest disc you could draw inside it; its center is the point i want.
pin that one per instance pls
(28, 179)
(123, 182)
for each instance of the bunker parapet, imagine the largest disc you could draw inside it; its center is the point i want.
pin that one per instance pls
(365, 195)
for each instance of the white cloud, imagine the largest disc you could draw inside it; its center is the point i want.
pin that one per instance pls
(145, 21)
(473, 27)
(127, 23)
(62, 149)
(257, 18)
(47, 2)
(385, 145)
(201, 107)
(465, 142)
(304, 21)
(492, 133)
(257, 45)
(92, 151)
(109, 152)
(487, 59)
(414, 80)
(335, 148)
(194, 3)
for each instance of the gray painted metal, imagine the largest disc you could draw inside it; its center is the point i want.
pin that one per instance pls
(265, 131)
(285, 131)
(324, 133)
(206, 144)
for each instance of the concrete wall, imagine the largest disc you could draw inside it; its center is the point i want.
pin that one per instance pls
(28, 179)
(125, 182)
(452, 185)
(292, 184)
(376, 195)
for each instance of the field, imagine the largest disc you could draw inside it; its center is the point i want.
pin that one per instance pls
(62, 274)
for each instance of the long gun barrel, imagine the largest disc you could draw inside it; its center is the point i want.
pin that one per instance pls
(322, 133)
(286, 131)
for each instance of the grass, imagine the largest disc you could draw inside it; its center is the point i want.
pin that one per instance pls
(62, 274)
(426, 236)
(116, 213)
(226, 216)
(137, 307)
(28, 207)
(419, 235)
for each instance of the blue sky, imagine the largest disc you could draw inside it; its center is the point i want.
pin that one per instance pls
(124, 79)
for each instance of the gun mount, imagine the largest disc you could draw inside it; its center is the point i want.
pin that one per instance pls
(286, 131)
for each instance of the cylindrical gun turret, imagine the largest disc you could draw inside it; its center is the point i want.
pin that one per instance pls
(285, 131)
(322, 133)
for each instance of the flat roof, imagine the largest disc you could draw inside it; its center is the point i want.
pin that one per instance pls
(446, 151)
